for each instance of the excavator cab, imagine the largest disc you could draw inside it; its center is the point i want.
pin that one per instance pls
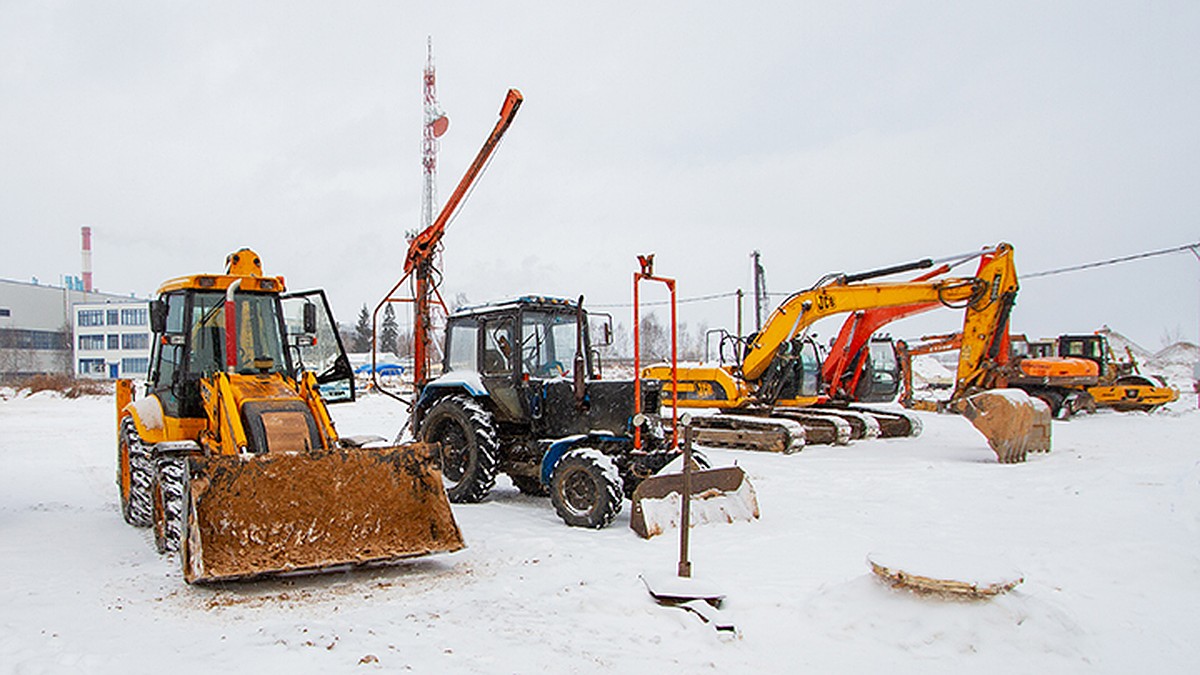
(880, 379)
(1094, 348)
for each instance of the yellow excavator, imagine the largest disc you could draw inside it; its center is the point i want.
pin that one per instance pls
(763, 400)
(231, 455)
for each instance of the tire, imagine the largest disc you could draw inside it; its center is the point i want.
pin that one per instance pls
(586, 489)
(136, 467)
(464, 430)
(1053, 399)
(168, 504)
(530, 485)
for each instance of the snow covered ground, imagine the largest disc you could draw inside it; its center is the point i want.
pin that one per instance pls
(1105, 531)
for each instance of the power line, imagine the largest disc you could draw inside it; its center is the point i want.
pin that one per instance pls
(1112, 261)
(680, 301)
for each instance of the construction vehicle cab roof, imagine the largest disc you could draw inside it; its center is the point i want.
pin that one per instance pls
(525, 301)
(242, 264)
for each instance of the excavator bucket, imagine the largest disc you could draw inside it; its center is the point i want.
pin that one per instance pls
(254, 515)
(1013, 422)
(720, 495)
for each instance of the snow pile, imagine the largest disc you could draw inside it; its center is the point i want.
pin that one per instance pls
(1119, 343)
(930, 373)
(1103, 530)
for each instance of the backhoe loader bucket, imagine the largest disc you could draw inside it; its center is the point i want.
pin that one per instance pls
(1013, 422)
(248, 516)
(718, 496)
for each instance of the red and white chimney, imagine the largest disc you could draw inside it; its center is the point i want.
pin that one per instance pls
(87, 258)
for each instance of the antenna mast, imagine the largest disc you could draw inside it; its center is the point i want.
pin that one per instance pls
(435, 125)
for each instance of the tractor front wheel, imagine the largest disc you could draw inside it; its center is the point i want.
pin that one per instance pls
(586, 489)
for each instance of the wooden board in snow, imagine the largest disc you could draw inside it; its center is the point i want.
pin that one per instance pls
(945, 576)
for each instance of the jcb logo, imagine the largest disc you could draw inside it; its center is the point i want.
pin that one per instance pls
(825, 302)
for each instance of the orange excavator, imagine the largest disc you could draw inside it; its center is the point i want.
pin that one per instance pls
(1071, 374)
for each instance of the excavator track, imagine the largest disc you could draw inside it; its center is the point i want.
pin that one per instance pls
(748, 432)
(894, 423)
(822, 428)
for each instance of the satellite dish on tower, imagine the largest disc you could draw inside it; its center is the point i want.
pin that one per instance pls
(439, 125)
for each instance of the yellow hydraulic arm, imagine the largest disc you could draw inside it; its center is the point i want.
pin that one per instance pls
(985, 296)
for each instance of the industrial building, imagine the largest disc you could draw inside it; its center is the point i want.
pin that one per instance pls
(70, 329)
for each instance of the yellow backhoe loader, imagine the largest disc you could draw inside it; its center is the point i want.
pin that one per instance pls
(231, 455)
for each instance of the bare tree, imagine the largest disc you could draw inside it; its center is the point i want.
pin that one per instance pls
(1171, 336)
(655, 339)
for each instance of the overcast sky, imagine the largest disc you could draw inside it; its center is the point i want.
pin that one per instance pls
(831, 136)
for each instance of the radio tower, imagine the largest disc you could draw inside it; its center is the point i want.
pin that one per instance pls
(436, 124)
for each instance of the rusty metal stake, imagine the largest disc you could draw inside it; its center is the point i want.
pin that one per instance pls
(685, 518)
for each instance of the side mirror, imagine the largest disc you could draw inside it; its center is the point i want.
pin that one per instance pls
(158, 316)
(310, 318)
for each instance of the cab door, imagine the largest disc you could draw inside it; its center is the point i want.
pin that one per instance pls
(315, 344)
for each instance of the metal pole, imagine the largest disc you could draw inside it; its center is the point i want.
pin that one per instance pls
(637, 363)
(1196, 365)
(685, 517)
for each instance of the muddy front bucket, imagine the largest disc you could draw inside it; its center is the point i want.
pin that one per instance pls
(251, 516)
(718, 495)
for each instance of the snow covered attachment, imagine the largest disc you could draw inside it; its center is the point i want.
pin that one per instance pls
(720, 495)
(1013, 422)
(247, 516)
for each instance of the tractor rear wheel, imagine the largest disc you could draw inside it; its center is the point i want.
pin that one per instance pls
(136, 475)
(469, 449)
(586, 489)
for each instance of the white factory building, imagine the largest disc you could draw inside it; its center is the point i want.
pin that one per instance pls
(67, 330)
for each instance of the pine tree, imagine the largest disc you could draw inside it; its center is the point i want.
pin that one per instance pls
(389, 333)
(362, 331)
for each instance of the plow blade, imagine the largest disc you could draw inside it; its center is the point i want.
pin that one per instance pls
(718, 496)
(1013, 422)
(250, 516)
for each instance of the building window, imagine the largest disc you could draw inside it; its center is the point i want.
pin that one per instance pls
(91, 317)
(33, 339)
(113, 317)
(4, 311)
(135, 366)
(132, 341)
(92, 367)
(135, 316)
(91, 342)
(114, 341)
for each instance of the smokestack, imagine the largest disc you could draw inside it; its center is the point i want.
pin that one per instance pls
(87, 258)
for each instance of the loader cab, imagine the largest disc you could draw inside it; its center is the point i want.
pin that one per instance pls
(190, 343)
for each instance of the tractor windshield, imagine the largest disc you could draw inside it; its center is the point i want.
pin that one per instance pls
(547, 344)
(258, 339)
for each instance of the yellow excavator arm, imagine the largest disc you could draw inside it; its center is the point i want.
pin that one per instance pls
(985, 297)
